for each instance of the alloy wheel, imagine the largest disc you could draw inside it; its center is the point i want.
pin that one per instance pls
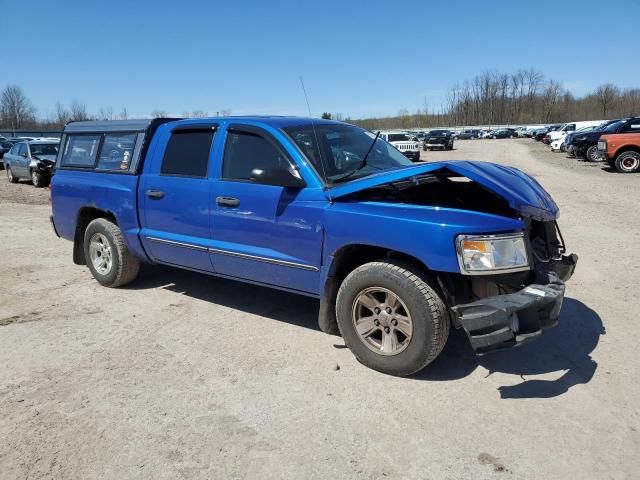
(382, 321)
(100, 253)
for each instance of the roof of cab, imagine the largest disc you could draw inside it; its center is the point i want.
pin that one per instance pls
(144, 124)
(268, 120)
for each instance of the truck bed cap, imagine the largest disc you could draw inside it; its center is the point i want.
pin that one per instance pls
(110, 126)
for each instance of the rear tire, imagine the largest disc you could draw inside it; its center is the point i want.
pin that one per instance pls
(10, 176)
(628, 162)
(421, 325)
(107, 256)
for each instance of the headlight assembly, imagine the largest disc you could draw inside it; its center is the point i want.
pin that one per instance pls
(486, 254)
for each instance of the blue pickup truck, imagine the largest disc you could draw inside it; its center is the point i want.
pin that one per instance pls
(396, 252)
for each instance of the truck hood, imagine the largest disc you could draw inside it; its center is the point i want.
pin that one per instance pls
(523, 193)
(45, 157)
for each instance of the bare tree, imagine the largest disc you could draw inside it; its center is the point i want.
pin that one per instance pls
(78, 111)
(550, 98)
(630, 102)
(61, 115)
(160, 114)
(607, 95)
(123, 115)
(106, 113)
(16, 109)
(198, 114)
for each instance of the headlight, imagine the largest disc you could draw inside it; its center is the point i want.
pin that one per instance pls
(482, 254)
(581, 139)
(602, 146)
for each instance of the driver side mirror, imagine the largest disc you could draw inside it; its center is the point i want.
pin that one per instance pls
(279, 177)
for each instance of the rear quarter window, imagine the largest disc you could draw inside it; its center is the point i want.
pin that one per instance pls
(117, 152)
(80, 151)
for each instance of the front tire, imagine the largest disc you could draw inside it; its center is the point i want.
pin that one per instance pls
(10, 176)
(39, 180)
(628, 162)
(592, 154)
(391, 318)
(107, 256)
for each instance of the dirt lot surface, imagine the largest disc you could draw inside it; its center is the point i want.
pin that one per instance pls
(185, 376)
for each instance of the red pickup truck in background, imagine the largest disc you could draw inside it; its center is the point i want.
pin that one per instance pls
(622, 150)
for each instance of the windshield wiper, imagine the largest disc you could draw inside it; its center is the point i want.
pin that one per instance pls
(362, 164)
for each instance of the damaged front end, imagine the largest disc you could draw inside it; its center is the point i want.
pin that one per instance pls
(510, 310)
(515, 292)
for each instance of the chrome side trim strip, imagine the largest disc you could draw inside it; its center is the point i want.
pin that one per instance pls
(283, 263)
(178, 244)
(246, 256)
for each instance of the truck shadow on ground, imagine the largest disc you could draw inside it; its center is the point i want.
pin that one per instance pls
(265, 302)
(567, 347)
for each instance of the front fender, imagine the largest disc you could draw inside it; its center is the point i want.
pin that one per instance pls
(426, 233)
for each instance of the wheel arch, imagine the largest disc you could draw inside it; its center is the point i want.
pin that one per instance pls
(85, 216)
(626, 148)
(343, 261)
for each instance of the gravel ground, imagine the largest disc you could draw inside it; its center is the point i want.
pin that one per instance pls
(22, 192)
(185, 376)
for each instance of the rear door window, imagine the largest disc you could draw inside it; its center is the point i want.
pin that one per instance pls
(632, 127)
(117, 151)
(187, 153)
(80, 151)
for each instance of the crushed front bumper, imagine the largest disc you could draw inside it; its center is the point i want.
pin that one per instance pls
(513, 319)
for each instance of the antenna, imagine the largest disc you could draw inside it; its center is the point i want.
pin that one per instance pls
(315, 134)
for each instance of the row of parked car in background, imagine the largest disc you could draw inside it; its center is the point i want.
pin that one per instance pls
(616, 141)
(29, 158)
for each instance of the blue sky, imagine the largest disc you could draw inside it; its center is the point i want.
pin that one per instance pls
(360, 58)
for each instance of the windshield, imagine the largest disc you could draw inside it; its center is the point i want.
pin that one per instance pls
(398, 137)
(340, 149)
(438, 133)
(614, 126)
(43, 149)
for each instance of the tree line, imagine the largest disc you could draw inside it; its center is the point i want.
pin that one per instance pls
(523, 97)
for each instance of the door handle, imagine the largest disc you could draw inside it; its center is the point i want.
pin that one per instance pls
(227, 201)
(155, 194)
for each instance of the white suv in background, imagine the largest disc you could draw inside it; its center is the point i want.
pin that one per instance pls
(571, 127)
(407, 144)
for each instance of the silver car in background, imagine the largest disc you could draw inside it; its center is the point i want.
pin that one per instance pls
(31, 160)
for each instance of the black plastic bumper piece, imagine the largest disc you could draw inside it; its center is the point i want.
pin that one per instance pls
(513, 319)
(566, 266)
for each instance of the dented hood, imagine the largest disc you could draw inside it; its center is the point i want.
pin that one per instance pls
(523, 193)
